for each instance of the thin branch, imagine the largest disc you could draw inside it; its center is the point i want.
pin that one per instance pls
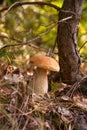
(19, 43)
(34, 39)
(65, 19)
(40, 3)
(82, 45)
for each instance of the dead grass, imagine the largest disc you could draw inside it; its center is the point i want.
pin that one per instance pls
(22, 110)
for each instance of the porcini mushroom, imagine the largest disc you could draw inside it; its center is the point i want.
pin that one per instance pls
(43, 64)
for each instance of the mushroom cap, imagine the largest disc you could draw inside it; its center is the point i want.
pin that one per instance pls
(44, 62)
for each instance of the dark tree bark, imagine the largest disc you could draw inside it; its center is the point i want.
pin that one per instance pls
(69, 59)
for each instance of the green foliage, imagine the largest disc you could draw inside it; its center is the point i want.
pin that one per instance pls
(82, 37)
(26, 22)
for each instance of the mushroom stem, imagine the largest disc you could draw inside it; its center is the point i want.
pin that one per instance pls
(40, 81)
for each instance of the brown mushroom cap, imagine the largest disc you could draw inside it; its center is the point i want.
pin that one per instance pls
(45, 62)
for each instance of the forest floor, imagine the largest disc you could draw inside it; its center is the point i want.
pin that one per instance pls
(62, 109)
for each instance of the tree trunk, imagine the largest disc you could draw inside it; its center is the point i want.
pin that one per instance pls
(69, 59)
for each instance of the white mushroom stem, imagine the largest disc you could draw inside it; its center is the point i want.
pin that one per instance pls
(40, 81)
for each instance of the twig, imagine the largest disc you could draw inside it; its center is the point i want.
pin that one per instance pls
(20, 43)
(82, 46)
(34, 39)
(16, 4)
(65, 19)
(40, 3)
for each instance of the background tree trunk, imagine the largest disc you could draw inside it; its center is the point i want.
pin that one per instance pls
(69, 59)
